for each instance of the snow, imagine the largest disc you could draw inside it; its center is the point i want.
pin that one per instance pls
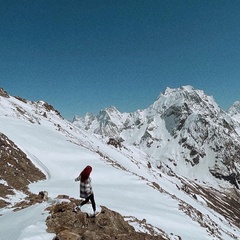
(126, 189)
(27, 224)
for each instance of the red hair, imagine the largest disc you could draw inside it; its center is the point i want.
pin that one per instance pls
(85, 173)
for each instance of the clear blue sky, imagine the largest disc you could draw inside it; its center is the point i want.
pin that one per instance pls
(82, 56)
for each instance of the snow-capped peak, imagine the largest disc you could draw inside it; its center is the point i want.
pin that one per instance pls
(187, 96)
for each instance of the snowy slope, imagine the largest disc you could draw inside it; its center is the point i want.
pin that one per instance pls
(127, 180)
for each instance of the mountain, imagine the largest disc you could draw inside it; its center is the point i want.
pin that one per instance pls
(171, 170)
(184, 128)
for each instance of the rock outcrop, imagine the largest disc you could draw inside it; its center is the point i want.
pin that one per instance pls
(71, 225)
(3, 93)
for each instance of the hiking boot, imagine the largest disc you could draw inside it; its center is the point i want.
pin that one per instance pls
(77, 209)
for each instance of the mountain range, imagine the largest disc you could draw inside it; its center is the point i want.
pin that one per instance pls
(184, 128)
(175, 164)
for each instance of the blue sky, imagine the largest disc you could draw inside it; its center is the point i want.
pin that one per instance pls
(83, 56)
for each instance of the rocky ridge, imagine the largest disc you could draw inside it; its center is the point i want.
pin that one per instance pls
(27, 110)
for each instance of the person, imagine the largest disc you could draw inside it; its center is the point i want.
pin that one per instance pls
(86, 191)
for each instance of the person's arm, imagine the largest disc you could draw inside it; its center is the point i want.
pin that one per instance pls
(78, 178)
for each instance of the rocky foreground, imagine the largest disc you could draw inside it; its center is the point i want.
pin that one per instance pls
(77, 226)
(68, 224)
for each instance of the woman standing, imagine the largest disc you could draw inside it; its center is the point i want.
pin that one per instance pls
(86, 191)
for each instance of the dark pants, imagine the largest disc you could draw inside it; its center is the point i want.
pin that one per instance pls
(91, 198)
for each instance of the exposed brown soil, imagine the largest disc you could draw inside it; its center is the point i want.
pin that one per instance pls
(225, 203)
(16, 170)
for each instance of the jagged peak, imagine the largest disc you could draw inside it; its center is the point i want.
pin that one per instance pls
(89, 115)
(185, 95)
(182, 91)
(110, 110)
(186, 88)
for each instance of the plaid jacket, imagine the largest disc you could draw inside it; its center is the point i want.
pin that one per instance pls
(85, 187)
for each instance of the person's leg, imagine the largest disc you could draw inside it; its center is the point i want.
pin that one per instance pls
(91, 197)
(85, 201)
